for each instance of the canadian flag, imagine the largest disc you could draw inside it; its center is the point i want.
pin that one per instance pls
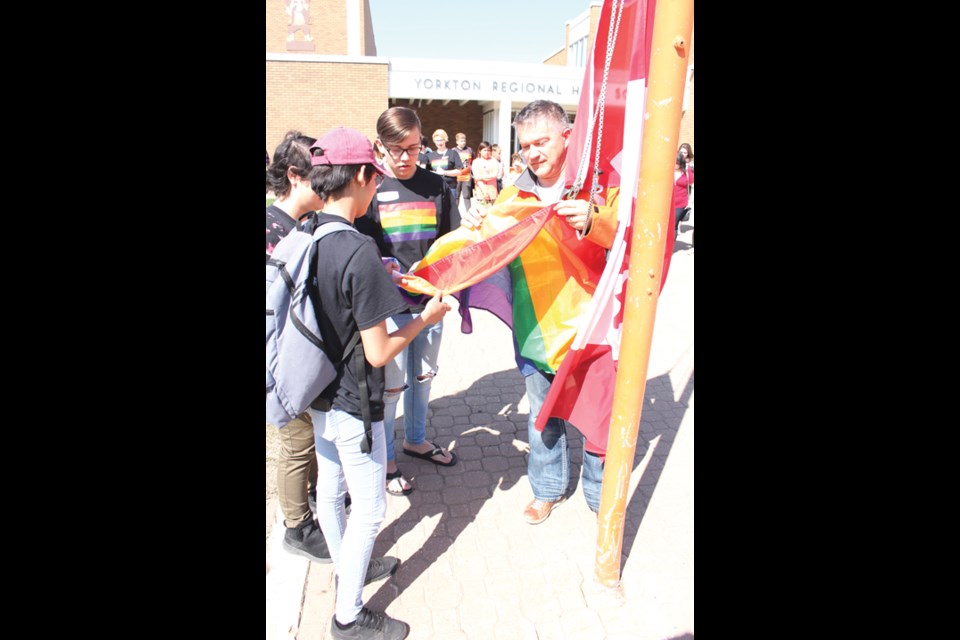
(582, 390)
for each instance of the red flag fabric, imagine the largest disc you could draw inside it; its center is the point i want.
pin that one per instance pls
(466, 256)
(582, 391)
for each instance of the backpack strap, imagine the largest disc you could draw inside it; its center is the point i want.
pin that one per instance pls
(360, 369)
(321, 231)
(330, 227)
(359, 360)
(354, 344)
(318, 234)
(307, 221)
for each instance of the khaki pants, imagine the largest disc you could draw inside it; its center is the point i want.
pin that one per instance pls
(296, 470)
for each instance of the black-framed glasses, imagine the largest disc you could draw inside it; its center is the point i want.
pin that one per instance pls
(412, 151)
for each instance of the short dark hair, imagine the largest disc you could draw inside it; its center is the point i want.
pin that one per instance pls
(293, 152)
(332, 179)
(542, 109)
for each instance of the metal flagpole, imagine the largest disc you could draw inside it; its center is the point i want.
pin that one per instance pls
(669, 56)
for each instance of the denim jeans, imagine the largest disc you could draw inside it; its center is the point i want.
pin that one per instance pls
(419, 358)
(548, 465)
(341, 465)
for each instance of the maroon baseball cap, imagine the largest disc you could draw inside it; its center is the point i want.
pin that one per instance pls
(344, 146)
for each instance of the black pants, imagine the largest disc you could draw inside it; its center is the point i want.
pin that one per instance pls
(465, 189)
(678, 214)
(455, 208)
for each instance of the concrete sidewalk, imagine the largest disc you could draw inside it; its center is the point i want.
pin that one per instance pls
(471, 567)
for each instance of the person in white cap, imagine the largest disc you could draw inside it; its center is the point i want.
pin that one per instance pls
(356, 294)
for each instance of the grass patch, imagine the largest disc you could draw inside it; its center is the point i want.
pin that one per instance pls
(270, 201)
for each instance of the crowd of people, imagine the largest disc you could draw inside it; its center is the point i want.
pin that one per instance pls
(401, 196)
(469, 183)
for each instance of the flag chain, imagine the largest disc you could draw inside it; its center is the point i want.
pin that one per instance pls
(597, 116)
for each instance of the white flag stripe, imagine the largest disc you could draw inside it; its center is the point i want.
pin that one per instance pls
(598, 320)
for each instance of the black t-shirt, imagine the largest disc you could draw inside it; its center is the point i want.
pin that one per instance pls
(466, 158)
(355, 293)
(406, 217)
(423, 160)
(449, 159)
(279, 224)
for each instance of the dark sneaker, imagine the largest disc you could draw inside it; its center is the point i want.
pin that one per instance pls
(307, 540)
(378, 569)
(371, 625)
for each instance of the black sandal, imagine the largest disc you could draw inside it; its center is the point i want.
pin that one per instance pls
(394, 476)
(429, 455)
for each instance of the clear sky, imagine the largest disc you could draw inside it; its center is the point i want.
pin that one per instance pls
(510, 30)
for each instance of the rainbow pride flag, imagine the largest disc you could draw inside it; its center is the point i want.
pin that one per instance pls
(548, 302)
(407, 221)
(509, 267)
(465, 256)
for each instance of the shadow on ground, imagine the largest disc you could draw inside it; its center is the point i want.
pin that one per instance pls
(660, 418)
(681, 245)
(489, 435)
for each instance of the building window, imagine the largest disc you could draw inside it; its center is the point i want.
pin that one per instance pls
(577, 53)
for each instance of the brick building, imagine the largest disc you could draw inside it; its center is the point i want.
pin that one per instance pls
(322, 70)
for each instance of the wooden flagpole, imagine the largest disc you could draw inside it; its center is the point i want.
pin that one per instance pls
(669, 57)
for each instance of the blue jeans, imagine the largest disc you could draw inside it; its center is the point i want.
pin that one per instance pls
(419, 358)
(548, 465)
(341, 465)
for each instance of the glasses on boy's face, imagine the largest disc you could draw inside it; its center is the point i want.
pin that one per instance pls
(397, 152)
